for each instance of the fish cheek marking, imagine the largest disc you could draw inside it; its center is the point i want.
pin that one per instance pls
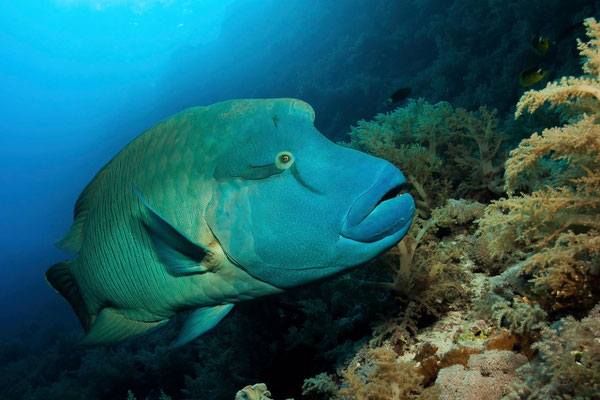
(259, 172)
(256, 172)
(296, 174)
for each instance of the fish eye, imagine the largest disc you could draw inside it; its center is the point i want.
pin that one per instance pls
(284, 159)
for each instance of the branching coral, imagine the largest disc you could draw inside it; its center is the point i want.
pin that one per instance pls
(426, 275)
(482, 168)
(320, 386)
(557, 225)
(506, 302)
(574, 149)
(382, 377)
(518, 316)
(442, 151)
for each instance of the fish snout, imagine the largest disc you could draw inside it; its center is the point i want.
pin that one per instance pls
(381, 210)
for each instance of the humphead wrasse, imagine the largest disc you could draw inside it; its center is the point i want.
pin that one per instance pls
(217, 205)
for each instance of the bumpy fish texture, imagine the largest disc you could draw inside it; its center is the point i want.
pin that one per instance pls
(217, 205)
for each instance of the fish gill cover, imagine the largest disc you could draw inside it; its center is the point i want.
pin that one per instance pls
(492, 292)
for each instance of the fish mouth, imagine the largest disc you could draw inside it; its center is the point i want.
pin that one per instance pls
(382, 210)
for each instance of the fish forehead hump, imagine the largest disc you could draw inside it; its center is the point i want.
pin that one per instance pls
(239, 110)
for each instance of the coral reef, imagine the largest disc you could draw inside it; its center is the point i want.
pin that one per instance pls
(68, 371)
(163, 396)
(556, 228)
(517, 315)
(322, 385)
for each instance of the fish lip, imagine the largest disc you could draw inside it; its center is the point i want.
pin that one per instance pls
(373, 216)
(374, 237)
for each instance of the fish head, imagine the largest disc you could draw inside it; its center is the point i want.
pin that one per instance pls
(291, 207)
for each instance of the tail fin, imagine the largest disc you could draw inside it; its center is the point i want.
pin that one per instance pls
(59, 277)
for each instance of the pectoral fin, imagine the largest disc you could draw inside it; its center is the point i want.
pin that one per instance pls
(180, 254)
(200, 321)
(110, 326)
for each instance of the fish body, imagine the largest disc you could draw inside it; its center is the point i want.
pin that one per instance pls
(532, 75)
(540, 44)
(217, 205)
(398, 95)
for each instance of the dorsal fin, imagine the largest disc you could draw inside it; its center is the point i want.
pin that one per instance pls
(59, 277)
(111, 326)
(72, 240)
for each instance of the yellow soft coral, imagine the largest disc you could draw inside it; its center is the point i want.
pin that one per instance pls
(425, 274)
(577, 143)
(381, 376)
(557, 226)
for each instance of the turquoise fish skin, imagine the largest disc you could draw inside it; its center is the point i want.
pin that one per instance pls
(217, 205)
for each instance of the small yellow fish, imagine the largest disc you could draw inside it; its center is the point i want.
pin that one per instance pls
(540, 44)
(532, 75)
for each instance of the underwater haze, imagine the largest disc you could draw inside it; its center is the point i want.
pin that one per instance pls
(79, 79)
(430, 110)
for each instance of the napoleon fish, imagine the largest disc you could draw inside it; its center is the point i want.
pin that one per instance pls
(217, 205)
